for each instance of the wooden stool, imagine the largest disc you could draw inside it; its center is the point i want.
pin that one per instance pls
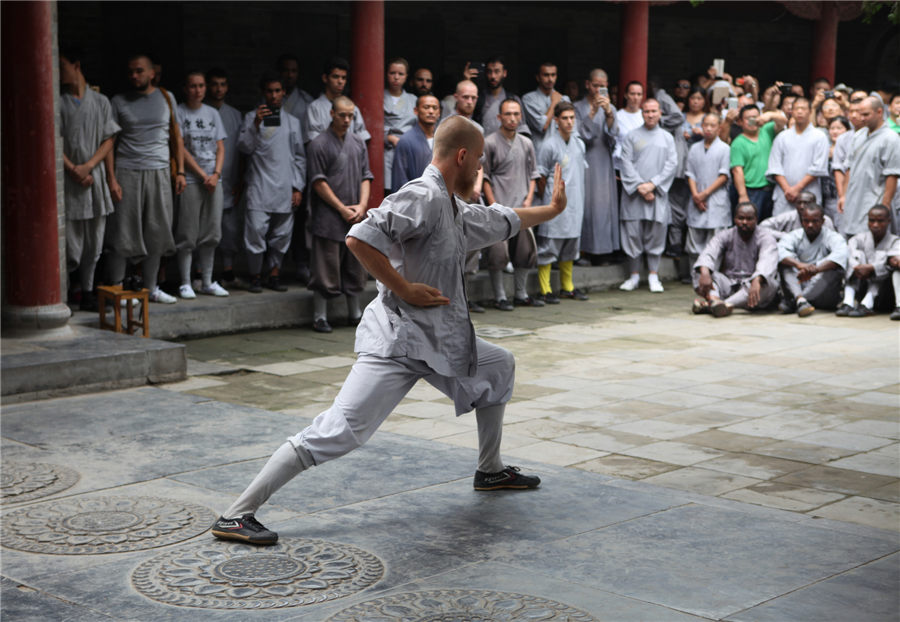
(114, 294)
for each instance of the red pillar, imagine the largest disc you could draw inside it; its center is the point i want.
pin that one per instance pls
(31, 238)
(824, 47)
(634, 45)
(367, 76)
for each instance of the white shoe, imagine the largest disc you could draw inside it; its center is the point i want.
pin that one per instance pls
(186, 292)
(629, 286)
(656, 287)
(214, 289)
(158, 295)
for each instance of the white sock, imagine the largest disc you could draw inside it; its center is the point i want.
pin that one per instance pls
(520, 278)
(868, 300)
(184, 266)
(635, 277)
(206, 256)
(849, 295)
(497, 284)
(353, 311)
(320, 306)
(281, 468)
(895, 280)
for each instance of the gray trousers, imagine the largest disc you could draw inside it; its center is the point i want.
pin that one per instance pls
(232, 241)
(522, 248)
(269, 234)
(84, 243)
(198, 222)
(823, 291)
(735, 292)
(335, 270)
(679, 198)
(371, 391)
(142, 222)
(643, 237)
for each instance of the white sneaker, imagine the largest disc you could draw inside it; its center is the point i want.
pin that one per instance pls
(629, 286)
(158, 295)
(656, 287)
(214, 289)
(186, 292)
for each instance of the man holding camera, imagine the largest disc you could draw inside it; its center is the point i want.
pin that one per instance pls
(596, 120)
(276, 174)
(750, 157)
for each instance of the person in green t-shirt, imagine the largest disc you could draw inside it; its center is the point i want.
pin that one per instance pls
(750, 156)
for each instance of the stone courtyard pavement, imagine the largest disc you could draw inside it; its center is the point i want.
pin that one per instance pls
(693, 469)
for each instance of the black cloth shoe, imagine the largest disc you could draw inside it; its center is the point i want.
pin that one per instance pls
(244, 529)
(528, 301)
(550, 299)
(895, 314)
(274, 283)
(844, 310)
(509, 478)
(88, 302)
(354, 321)
(504, 305)
(861, 311)
(321, 325)
(474, 307)
(255, 284)
(575, 294)
(303, 275)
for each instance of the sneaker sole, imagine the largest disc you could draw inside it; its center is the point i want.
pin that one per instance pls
(227, 535)
(508, 487)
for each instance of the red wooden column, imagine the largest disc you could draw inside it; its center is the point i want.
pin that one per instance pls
(634, 45)
(32, 296)
(824, 47)
(367, 76)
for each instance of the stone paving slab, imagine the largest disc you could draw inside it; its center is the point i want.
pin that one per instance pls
(610, 548)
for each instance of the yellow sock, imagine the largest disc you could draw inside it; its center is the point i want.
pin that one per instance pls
(544, 279)
(565, 276)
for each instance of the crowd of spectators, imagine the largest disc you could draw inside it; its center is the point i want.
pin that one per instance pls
(774, 196)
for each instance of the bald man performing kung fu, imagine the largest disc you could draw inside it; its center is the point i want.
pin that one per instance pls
(415, 244)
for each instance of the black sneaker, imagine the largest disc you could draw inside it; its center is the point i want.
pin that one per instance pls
(245, 529)
(575, 294)
(509, 477)
(474, 307)
(504, 305)
(550, 299)
(528, 301)
(255, 284)
(274, 283)
(321, 325)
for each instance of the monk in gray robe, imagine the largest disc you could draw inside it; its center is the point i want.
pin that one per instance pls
(784, 223)
(812, 261)
(737, 268)
(868, 272)
(649, 161)
(874, 169)
(596, 120)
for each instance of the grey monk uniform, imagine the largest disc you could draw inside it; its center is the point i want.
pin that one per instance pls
(141, 226)
(600, 227)
(343, 164)
(704, 166)
(318, 118)
(734, 263)
(86, 123)
(276, 166)
(647, 155)
(426, 233)
(509, 167)
(399, 117)
(875, 156)
(862, 249)
(232, 213)
(794, 155)
(784, 223)
(824, 289)
(558, 237)
(535, 105)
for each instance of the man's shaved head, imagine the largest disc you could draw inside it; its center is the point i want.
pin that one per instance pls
(455, 133)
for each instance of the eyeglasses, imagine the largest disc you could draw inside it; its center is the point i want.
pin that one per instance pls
(683, 85)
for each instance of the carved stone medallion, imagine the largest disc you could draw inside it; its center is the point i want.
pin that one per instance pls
(292, 573)
(457, 605)
(93, 525)
(26, 481)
